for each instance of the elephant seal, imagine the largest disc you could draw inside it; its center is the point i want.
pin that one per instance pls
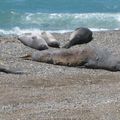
(87, 57)
(50, 39)
(65, 57)
(10, 71)
(33, 41)
(79, 36)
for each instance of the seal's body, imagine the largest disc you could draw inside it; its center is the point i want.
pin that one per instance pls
(65, 57)
(103, 59)
(50, 39)
(79, 36)
(88, 57)
(33, 41)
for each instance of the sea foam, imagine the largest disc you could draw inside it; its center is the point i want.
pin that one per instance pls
(57, 22)
(18, 31)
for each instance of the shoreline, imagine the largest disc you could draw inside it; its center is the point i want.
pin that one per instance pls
(53, 92)
(17, 31)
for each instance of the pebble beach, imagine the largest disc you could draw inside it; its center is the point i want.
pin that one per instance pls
(49, 91)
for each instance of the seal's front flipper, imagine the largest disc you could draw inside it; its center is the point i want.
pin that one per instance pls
(27, 57)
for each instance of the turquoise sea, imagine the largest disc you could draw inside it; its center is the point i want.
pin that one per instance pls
(19, 16)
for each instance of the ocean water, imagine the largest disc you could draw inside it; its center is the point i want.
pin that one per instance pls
(20, 16)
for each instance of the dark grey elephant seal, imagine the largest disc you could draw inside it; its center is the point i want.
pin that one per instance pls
(50, 39)
(33, 41)
(79, 36)
(89, 57)
(10, 71)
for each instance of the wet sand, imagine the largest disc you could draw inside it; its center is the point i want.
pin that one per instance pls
(58, 92)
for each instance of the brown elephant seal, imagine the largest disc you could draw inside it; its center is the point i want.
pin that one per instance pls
(79, 36)
(50, 39)
(65, 57)
(33, 41)
(89, 57)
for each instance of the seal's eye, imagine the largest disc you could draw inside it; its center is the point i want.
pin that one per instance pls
(34, 37)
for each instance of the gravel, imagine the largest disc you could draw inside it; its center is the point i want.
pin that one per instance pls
(49, 91)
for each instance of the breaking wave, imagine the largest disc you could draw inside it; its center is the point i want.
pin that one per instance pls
(17, 23)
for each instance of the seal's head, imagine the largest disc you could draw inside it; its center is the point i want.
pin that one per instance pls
(79, 36)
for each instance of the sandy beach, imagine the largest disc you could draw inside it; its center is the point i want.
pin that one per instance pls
(49, 91)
